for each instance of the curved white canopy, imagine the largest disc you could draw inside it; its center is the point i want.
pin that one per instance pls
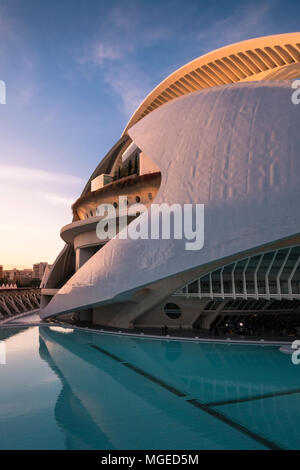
(234, 148)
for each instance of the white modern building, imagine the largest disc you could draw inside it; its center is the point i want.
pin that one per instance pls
(222, 131)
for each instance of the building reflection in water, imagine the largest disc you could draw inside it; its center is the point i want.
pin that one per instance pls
(104, 404)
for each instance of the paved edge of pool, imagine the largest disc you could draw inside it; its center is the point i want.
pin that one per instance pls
(174, 338)
(9, 324)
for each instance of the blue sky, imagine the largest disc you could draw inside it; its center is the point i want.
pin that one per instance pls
(75, 70)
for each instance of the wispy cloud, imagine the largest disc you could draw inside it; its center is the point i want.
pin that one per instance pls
(22, 228)
(243, 23)
(7, 30)
(103, 52)
(13, 173)
(58, 200)
(26, 96)
(98, 53)
(37, 203)
(121, 35)
(124, 33)
(16, 59)
(128, 82)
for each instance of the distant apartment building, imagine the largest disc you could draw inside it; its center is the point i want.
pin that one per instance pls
(23, 276)
(26, 274)
(39, 269)
(1, 272)
(9, 273)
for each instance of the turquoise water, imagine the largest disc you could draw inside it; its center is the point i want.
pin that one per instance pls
(65, 389)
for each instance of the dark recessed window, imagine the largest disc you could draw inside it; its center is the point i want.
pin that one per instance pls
(172, 311)
(91, 212)
(138, 199)
(115, 205)
(150, 196)
(86, 215)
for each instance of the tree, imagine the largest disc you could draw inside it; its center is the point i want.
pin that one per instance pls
(35, 282)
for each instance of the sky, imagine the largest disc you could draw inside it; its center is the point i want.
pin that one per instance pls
(75, 71)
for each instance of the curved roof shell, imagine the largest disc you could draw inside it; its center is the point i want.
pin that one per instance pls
(253, 59)
(233, 148)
